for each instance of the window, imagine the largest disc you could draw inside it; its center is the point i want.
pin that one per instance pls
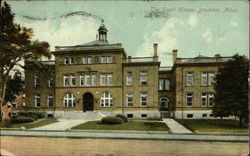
(50, 100)
(143, 115)
(189, 99)
(207, 78)
(144, 99)
(103, 80)
(129, 80)
(110, 79)
(106, 100)
(87, 60)
(87, 80)
(73, 80)
(203, 100)
(130, 99)
(69, 100)
(164, 84)
(37, 81)
(50, 83)
(189, 115)
(37, 101)
(69, 60)
(161, 84)
(130, 115)
(210, 99)
(93, 80)
(143, 78)
(106, 59)
(204, 115)
(190, 79)
(81, 80)
(167, 84)
(66, 81)
(207, 99)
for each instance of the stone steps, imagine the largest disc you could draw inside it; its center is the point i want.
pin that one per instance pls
(91, 115)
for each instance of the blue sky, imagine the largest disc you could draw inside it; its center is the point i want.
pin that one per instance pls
(138, 25)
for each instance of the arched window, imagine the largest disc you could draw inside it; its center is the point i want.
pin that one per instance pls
(69, 100)
(164, 103)
(106, 100)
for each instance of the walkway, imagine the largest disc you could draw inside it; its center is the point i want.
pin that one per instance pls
(125, 135)
(175, 127)
(62, 125)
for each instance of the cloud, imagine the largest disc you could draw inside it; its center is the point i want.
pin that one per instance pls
(64, 31)
(165, 39)
(234, 23)
(192, 20)
(208, 36)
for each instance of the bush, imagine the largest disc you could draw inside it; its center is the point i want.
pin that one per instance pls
(123, 117)
(22, 119)
(111, 120)
(6, 123)
(32, 114)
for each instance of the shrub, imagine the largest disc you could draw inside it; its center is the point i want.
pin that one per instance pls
(123, 117)
(111, 120)
(22, 119)
(32, 114)
(6, 123)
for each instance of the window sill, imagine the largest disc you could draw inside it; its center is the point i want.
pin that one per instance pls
(143, 85)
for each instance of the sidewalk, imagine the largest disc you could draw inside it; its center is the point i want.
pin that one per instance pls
(175, 127)
(126, 135)
(62, 125)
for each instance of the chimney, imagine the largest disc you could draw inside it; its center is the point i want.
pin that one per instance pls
(129, 59)
(174, 53)
(155, 52)
(155, 49)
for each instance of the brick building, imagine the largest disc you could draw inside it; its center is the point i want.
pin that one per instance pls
(100, 77)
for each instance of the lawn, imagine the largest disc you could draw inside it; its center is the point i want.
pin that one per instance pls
(32, 125)
(213, 125)
(137, 126)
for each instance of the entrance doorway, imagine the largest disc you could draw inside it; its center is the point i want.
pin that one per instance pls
(88, 102)
(164, 102)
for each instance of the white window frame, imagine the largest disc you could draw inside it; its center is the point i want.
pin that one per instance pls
(66, 77)
(103, 59)
(69, 60)
(167, 84)
(109, 59)
(143, 95)
(93, 80)
(69, 98)
(204, 96)
(37, 99)
(72, 80)
(103, 80)
(37, 81)
(189, 95)
(49, 97)
(129, 79)
(161, 84)
(50, 83)
(211, 76)
(190, 79)
(143, 78)
(210, 96)
(106, 97)
(109, 80)
(129, 96)
(81, 80)
(204, 78)
(87, 80)
(85, 60)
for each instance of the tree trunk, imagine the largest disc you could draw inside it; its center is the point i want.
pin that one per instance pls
(240, 122)
(3, 91)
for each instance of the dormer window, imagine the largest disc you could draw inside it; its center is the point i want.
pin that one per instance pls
(87, 60)
(69, 60)
(106, 59)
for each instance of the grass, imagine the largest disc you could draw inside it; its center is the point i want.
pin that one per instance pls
(32, 125)
(137, 126)
(213, 125)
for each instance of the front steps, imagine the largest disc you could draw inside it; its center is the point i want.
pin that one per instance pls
(88, 115)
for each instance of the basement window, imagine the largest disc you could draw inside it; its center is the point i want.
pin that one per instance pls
(189, 115)
(130, 115)
(143, 115)
(204, 115)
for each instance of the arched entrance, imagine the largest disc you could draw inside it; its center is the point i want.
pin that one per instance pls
(164, 104)
(88, 102)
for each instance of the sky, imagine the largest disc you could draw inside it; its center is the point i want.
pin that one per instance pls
(192, 27)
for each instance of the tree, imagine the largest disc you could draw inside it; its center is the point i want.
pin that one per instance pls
(15, 46)
(15, 85)
(231, 87)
